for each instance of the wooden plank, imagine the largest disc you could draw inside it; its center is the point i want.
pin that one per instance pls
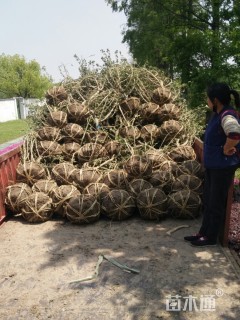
(8, 164)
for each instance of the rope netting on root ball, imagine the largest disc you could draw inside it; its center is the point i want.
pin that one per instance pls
(16, 195)
(117, 131)
(118, 205)
(37, 208)
(152, 204)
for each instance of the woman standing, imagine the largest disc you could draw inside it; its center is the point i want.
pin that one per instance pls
(221, 157)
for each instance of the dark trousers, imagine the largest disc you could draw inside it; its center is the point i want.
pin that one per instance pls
(216, 186)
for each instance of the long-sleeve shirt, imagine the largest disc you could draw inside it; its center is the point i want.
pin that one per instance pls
(231, 126)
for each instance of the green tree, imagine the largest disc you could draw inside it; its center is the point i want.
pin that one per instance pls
(194, 40)
(19, 78)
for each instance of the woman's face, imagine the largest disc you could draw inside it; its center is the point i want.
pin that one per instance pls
(210, 104)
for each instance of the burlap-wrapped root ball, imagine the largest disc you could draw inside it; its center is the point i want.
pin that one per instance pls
(138, 167)
(56, 95)
(118, 205)
(49, 148)
(138, 185)
(187, 181)
(182, 153)
(37, 208)
(44, 185)
(115, 178)
(16, 195)
(98, 189)
(30, 172)
(169, 130)
(152, 204)
(69, 150)
(162, 95)
(62, 173)
(83, 177)
(57, 119)
(150, 133)
(130, 105)
(60, 197)
(78, 113)
(83, 209)
(162, 179)
(72, 132)
(168, 111)
(184, 204)
(49, 133)
(90, 152)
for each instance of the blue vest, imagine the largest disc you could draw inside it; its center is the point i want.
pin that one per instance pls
(214, 140)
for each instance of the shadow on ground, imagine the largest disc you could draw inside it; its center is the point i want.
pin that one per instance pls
(197, 282)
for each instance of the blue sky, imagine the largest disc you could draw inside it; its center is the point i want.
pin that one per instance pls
(52, 31)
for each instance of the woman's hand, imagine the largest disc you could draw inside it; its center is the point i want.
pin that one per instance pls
(229, 147)
(229, 151)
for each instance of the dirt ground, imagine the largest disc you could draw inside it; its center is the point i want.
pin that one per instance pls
(39, 260)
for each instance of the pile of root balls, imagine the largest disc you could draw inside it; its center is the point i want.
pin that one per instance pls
(115, 142)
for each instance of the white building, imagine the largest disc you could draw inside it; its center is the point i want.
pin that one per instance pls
(16, 108)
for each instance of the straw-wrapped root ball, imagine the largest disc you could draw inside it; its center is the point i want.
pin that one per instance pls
(62, 173)
(72, 132)
(182, 153)
(162, 95)
(90, 152)
(162, 179)
(169, 130)
(170, 166)
(56, 95)
(149, 112)
(115, 179)
(114, 147)
(49, 133)
(69, 150)
(57, 119)
(99, 137)
(168, 111)
(184, 204)
(78, 113)
(130, 133)
(61, 196)
(49, 148)
(16, 195)
(187, 181)
(130, 105)
(118, 205)
(152, 204)
(98, 189)
(83, 177)
(37, 208)
(30, 172)
(138, 185)
(191, 167)
(150, 133)
(44, 185)
(156, 157)
(83, 209)
(138, 167)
